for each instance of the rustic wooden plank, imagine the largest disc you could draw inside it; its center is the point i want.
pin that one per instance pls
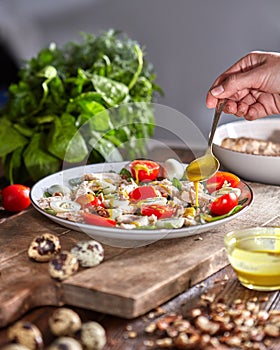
(145, 277)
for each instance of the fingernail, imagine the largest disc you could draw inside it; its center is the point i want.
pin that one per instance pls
(217, 90)
(228, 109)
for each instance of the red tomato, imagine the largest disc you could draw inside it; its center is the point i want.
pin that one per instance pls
(222, 205)
(94, 219)
(144, 170)
(16, 197)
(96, 201)
(143, 192)
(160, 211)
(217, 181)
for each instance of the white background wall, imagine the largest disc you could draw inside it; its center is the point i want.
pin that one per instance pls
(189, 41)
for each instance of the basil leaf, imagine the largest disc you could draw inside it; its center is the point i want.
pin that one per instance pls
(235, 210)
(125, 174)
(111, 91)
(242, 201)
(105, 148)
(65, 142)
(38, 162)
(10, 138)
(14, 167)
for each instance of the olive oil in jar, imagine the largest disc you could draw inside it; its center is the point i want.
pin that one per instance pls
(256, 258)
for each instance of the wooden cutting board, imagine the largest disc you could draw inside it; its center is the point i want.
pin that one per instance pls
(130, 281)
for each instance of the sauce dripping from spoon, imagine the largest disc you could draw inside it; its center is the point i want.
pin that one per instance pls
(204, 167)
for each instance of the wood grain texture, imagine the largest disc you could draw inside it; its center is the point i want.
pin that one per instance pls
(117, 329)
(143, 278)
(129, 282)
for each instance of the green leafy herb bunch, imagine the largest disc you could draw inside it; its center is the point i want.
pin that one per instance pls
(104, 82)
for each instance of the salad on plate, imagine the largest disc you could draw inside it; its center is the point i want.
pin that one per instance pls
(144, 195)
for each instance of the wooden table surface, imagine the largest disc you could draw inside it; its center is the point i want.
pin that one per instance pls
(127, 334)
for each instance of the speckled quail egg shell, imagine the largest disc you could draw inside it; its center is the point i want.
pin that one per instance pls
(63, 265)
(93, 336)
(64, 321)
(89, 253)
(44, 247)
(65, 343)
(26, 334)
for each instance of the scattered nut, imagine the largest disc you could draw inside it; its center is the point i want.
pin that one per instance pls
(128, 327)
(150, 328)
(207, 326)
(195, 312)
(182, 341)
(164, 322)
(151, 315)
(160, 311)
(182, 325)
(164, 343)
(208, 297)
(148, 343)
(271, 330)
(132, 334)
(216, 325)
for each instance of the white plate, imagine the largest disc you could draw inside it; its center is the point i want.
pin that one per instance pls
(264, 169)
(117, 236)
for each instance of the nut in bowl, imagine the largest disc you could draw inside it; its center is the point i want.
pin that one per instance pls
(254, 254)
(259, 159)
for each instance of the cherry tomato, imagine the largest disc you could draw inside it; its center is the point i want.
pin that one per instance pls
(222, 205)
(160, 211)
(143, 192)
(94, 219)
(217, 181)
(16, 197)
(144, 170)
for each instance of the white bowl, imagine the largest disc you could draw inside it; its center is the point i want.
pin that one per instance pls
(257, 168)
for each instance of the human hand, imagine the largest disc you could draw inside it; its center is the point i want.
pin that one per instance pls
(251, 85)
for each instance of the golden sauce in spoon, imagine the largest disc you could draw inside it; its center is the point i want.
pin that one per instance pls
(202, 169)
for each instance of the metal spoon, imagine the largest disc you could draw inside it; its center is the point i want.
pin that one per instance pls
(206, 166)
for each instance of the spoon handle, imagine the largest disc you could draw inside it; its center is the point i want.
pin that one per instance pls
(218, 111)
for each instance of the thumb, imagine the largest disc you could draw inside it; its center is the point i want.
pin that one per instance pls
(233, 85)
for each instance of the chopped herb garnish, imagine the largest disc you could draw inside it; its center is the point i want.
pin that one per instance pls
(177, 183)
(125, 174)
